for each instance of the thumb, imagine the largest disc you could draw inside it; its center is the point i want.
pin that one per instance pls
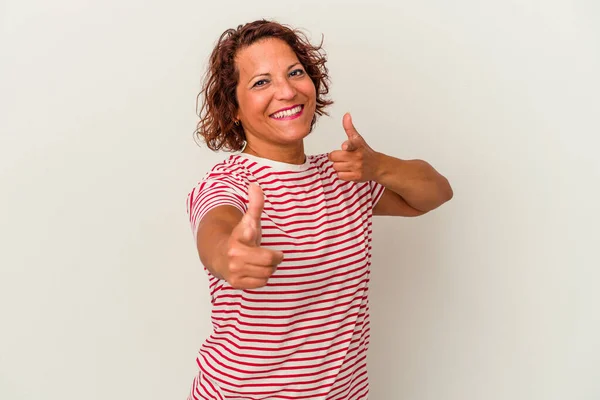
(354, 138)
(248, 230)
(256, 202)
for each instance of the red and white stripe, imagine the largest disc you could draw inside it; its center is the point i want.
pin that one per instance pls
(305, 334)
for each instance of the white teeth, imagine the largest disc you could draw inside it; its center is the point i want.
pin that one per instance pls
(287, 113)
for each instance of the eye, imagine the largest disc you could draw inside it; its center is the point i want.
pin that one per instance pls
(297, 72)
(259, 83)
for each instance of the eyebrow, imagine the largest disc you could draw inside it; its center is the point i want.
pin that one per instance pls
(267, 74)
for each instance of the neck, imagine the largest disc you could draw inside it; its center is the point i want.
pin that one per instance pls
(286, 154)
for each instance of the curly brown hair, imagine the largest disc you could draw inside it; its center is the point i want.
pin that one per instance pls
(219, 107)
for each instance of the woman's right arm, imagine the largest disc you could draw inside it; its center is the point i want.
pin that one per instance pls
(229, 244)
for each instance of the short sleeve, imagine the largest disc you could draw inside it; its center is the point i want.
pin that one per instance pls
(376, 192)
(213, 192)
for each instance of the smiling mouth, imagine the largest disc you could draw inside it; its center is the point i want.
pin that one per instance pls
(290, 113)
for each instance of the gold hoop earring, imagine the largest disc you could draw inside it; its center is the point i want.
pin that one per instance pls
(236, 122)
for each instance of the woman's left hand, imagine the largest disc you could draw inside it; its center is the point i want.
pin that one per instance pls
(356, 161)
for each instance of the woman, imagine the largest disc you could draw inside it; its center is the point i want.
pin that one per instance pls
(285, 237)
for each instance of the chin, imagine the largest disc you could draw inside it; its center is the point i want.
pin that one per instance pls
(298, 134)
(291, 132)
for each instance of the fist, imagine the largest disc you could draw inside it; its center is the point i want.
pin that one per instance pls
(356, 161)
(248, 265)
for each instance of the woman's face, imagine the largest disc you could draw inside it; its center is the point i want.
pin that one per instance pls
(276, 97)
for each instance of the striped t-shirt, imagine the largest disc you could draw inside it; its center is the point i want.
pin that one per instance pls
(305, 334)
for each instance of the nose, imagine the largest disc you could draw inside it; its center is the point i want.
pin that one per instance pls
(285, 90)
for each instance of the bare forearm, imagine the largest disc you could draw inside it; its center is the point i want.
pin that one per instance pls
(214, 232)
(419, 184)
(211, 248)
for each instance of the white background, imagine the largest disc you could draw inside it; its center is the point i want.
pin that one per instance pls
(493, 296)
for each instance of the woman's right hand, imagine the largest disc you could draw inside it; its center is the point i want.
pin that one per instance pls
(247, 265)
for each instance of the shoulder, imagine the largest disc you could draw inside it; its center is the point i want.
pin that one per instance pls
(225, 184)
(232, 169)
(228, 176)
(321, 161)
(326, 169)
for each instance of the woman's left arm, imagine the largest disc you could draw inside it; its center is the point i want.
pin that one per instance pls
(409, 182)
(413, 187)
